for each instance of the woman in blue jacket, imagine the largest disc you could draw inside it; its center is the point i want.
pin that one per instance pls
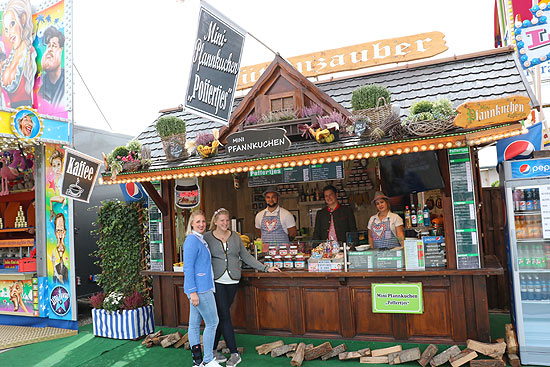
(198, 284)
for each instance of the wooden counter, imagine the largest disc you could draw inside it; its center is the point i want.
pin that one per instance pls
(338, 305)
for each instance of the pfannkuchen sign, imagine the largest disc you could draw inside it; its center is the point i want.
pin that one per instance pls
(257, 141)
(492, 111)
(79, 175)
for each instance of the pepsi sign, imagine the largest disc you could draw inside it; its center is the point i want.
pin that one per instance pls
(132, 191)
(521, 146)
(530, 168)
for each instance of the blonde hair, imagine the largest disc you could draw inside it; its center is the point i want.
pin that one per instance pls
(194, 213)
(217, 213)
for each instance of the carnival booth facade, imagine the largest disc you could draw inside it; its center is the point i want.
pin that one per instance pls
(37, 284)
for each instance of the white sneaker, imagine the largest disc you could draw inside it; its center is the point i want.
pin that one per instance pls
(212, 363)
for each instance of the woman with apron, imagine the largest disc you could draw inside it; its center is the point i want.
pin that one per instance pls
(385, 227)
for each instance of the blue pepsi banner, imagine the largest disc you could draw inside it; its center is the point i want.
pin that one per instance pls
(521, 146)
(133, 191)
(532, 168)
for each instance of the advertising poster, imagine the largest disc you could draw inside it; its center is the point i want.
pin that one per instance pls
(34, 52)
(58, 238)
(16, 297)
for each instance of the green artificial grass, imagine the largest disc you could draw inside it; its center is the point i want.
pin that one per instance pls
(85, 350)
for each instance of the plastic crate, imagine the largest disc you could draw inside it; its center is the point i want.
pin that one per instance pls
(27, 264)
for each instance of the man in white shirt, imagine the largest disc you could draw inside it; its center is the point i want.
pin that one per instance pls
(275, 225)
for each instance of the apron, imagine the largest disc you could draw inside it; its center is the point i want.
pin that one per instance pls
(272, 230)
(382, 235)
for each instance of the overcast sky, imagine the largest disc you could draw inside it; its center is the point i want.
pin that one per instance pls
(134, 55)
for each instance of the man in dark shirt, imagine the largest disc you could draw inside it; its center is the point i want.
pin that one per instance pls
(334, 220)
(53, 75)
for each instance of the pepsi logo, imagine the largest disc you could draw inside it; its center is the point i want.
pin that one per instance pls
(524, 169)
(133, 191)
(518, 149)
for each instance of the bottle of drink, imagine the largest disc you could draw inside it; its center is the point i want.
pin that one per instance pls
(547, 281)
(407, 217)
(302, 194)
(521, 257)
(538, 288)
(426, 216)
(420, 216)
(317, 193)
(528, 258)
(528, 200)
(545, 295)
(522, 202)
(523, 287)
(541, 261)
(536, 199)
(530, 288)
(413, 216)
(547, 254)
(537, 231)
(519, 229)
(532, 226)
(517, 196)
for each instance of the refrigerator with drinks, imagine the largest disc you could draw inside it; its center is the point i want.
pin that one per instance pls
(526, 184)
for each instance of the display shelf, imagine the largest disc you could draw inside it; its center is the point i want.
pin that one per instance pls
(526, 240)
(21, 242)
(538, 302)
(17, 196)
(534, 271)
(530, 212)
(9, 230)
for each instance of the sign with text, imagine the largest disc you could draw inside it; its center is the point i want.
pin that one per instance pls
(492, 111)
(79, 175)
(397, 298)
(464, 209)
(364, 55)
(257, 141)
(215, 66)
(313, 172)
(532, 37)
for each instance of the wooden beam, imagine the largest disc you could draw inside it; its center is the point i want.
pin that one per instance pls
(153, 194)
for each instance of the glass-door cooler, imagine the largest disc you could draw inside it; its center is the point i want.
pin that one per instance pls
(527, 193)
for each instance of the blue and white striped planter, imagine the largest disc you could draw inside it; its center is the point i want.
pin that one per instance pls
(125, 324)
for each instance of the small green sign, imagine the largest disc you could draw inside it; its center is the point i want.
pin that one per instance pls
(397, 298)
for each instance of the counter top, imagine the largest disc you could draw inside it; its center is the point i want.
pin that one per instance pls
(492, 267)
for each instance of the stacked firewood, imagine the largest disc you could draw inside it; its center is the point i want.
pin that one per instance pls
(396, 355)
(177, 340)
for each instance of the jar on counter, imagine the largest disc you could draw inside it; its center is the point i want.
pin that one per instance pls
(283, 251)
(288, 263)
(278, 261)
(272, 251)
(268, 260)
(299, 262)
(293, 250)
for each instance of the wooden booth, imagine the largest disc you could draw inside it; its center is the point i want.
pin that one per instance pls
(338, 303)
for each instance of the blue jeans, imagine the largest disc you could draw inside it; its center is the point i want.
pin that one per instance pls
(206, 310)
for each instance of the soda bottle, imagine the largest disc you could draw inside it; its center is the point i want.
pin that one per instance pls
(420, 216)
(530, 288)
(538, 288)
(521, 257)
(541, 260)
(536, 199)
(545, 295)
(413, 216)
(547, 254)
(520, 227)
(407, 217)
(528, 200)
(522, 202)
(532, 226)
(517, 195)
(537, 231)
(547, 281)
(528, 258)
(523, 287)
(426, 216)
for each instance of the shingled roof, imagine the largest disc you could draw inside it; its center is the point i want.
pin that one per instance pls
(483, 75)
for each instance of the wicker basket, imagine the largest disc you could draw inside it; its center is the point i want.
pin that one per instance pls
(131, 166)
(430, 127)
(375, 115)
(174, 147)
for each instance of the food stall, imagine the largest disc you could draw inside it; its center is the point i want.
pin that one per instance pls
(334, 298)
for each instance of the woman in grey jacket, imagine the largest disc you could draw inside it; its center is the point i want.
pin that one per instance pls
(228, 251)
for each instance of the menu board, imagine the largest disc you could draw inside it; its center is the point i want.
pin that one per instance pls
(314, 172)
(544, 191)
(464, 209)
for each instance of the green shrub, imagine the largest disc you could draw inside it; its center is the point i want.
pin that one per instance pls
(118, 152)
(367, 96)
(422, 116)
(443, 108)
(421, 106)
(134, 146)
(170, 125)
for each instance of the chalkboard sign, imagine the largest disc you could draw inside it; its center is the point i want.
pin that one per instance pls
(315, 172)
(464, 209)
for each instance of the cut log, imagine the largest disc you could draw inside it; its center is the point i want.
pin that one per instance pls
(290, 354)
(406, 355)
(428, 354)
(298, 358)
(171, 339)
(495, 350)
(381, 359)
(335, 351)
(267, 348)
(364, 352)
(511, 341)
(317, 351)
(463, 357)
(184, 339)
(487, 363)
(151, 336)
(355, 354)
(283, 349)
(221, 345)
(444, 356)
(386, 351)
(309, 346)
(514, 360)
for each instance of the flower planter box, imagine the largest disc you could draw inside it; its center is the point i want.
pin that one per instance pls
(125, 324)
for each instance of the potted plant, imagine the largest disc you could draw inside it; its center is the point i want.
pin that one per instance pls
(129, 158)
(123, 310)
(327, 128)
(206, 144)
(171, 130)
(429, 118)
(371, 102)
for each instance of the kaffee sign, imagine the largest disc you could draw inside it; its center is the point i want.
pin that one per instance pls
(402, 49)
(79, 175)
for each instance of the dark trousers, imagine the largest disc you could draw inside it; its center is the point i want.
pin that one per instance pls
(225, 294)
